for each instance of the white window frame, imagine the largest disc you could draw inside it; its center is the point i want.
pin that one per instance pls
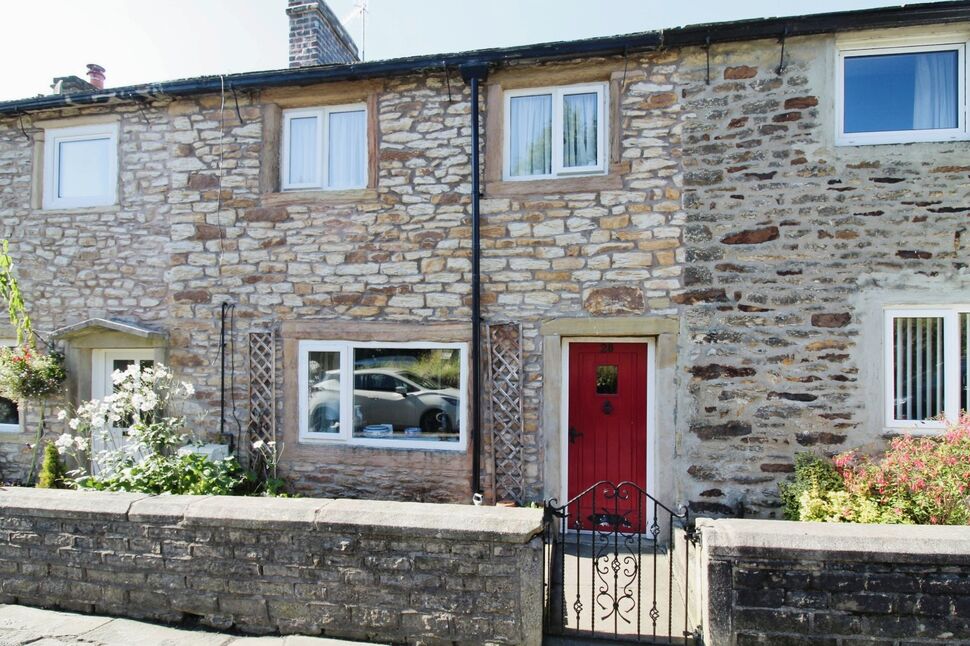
(323, 141)
(12, 428)
(53, 137)
(557, 93)
(906, 45)
(346, 436)
(951, 365)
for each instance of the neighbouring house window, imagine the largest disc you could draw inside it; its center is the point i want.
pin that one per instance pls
(902, 94)
(383, 394)
(9, 409)
(927, 373)
(81, 166)
(555, 132)
(325, 148)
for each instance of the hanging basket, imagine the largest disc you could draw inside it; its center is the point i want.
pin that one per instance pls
(28, 374)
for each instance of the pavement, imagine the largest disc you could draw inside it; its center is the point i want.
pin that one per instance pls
(21, 625)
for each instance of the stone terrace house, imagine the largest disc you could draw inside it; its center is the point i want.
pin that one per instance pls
(702, 250)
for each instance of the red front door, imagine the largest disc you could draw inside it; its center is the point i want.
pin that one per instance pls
(608, 429)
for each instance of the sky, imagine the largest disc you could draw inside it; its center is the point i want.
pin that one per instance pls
(144, 41)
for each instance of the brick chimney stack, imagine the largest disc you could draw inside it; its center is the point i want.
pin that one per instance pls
(316, 35)
(96, 75)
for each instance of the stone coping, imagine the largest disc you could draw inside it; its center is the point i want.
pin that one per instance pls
(377, 517)
(788, 540)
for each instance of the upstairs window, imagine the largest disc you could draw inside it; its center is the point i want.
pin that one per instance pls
(81, 166)
(927, 374)
(325, 148)
(902, 94)
(555, 132)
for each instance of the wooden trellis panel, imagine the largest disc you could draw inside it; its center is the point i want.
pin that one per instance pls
(262, 386)
(504, 422)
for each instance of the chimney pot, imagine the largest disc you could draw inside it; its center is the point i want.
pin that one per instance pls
(96, 75)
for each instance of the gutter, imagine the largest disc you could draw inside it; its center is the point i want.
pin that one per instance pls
(694, 35)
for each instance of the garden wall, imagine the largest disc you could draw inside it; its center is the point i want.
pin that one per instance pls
(778, 582)
(382, 571)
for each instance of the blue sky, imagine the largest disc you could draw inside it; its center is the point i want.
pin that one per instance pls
(141, 41)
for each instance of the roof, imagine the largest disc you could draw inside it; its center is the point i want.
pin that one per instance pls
(89, 325)
(693, 35)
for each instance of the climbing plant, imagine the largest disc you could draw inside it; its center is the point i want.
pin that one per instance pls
(10, 292)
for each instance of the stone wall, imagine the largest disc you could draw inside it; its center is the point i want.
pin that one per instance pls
(793, 246)
(376, 571)
(727, 206)
(780, 582)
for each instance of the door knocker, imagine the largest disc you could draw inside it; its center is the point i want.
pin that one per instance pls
(607, 407)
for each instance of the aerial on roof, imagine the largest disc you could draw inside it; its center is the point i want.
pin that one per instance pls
(691, 35)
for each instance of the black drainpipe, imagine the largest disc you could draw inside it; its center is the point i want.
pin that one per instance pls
(474, 74)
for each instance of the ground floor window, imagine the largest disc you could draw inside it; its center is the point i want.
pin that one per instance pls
(383, 394)
(9, 409)
(927, 373)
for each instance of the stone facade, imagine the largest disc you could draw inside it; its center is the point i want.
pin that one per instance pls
(727, 209)
(392, 573)
(771, 582)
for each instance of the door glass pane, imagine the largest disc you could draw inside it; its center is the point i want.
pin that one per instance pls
(9, 414)
(347, 150)
(530, 135)
(407, 393)
(323, 380)
(579, 130)
(606, 380)
(82, 169)
(303, 151)
(890, 92)
(918, 370)
(120, 365)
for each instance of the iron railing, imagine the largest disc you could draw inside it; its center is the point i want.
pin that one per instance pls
(616, 567)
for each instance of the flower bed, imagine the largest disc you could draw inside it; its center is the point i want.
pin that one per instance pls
(920, 480)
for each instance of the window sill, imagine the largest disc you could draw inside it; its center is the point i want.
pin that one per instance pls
(848, 141)
(580, 184)
(10, 429)
(79, 210)
(396, 445)
(288, 198)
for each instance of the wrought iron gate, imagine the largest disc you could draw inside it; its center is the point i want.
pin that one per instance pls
(617, 567)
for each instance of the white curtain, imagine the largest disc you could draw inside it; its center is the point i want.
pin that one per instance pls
(303, 151)
(935, 101)
(530, 135)
(347, 150)
(83, 168)
(579, 130)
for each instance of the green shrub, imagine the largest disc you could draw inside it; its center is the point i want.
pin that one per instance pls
(813, 474)
(188, 473)
(919, 480)
(51, 471)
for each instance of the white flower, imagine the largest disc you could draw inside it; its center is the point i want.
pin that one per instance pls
(271, 444)
(258, 445)
(61, 415)
(74, 423)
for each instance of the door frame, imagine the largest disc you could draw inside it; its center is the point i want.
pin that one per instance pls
(651, 343)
